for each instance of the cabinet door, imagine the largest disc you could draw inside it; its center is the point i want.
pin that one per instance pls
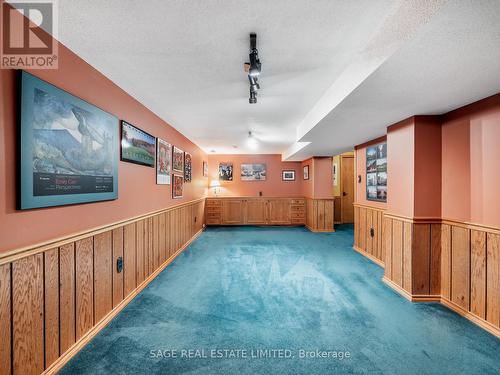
(279, 211)
(232, 211)
(256, 211)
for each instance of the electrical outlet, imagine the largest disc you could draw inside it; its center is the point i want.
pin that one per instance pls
(119, 264)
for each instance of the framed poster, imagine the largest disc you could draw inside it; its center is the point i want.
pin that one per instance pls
(253, 172)
(335, 174)
(137, 146)
(288, 175)
(68, 150)
(305, 171)
(226, 171)
(376, 173)
(177, 185)
(163, 162)
(188, 167)
(177, 160)
(205, 169)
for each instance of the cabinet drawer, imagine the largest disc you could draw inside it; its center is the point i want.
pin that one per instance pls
(214, 209)
(298, 221)
(213, 221)
(298, 201)
(214, 214)
(214, 203)
(297, 208)
(296, 215)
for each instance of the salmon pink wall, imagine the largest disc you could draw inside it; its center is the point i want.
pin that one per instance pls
(272, 187)
(471, 163)
(427, 155)
(137, 191)
(400, 168)
(360, 157)
(323, 178)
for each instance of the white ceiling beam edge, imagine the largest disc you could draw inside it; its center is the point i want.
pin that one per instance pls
(398, 28)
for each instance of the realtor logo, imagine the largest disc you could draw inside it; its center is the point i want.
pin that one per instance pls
(29, 34)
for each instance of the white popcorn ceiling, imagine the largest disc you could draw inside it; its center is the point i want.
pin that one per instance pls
(335, 73)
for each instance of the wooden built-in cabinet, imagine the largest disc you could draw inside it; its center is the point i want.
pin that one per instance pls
(255, 211)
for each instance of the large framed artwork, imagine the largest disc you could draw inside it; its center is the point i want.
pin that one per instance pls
(177, 185)
(188, 167)
(68, 150)
(163, 162)
(376, 173)
(177, 160)
(253, 172)
(226, 171)
(137, 146)
(305, 172)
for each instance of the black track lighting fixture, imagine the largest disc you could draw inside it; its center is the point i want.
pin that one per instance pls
(253, 68)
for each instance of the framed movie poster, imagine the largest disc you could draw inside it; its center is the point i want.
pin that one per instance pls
(177, 160)
(138, 147)
(376, 173)
(68, 148)
(163, 162)
(177, 185)
(305, 171)
(288, 175)
(188, 167)
(253, 172)
(205, 169)
(226, 171)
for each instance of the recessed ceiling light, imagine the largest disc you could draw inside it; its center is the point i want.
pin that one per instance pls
(252, 142)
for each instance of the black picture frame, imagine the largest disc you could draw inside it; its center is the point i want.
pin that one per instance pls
(125, 145)
(305, 172)
(376, 172)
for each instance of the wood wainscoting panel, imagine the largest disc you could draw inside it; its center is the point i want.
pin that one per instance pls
(66, 296)
(397, 252)
(84, 260)
(368, 232)
(5, 319)
(51, 278)
(103, 275)
(446, 261)
(387, 246)
(129, 259)
(28, 315)
(55, 297)
(421, 264)
(493, 279)
(478, 273)
(460, 266)
(117, 276)
(362, 228)
(435, 266)
(407, 256)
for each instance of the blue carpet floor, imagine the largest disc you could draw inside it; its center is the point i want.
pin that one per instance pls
(255, 289)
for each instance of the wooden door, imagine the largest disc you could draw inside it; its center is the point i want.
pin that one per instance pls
(347, 188)
(256, 211)
(279, 211)
(233, 211)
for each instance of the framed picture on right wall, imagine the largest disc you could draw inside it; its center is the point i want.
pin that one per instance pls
(305, 171)
(376, 173)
